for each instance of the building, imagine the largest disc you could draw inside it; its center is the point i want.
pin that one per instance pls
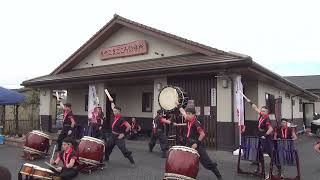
(310, 83)
(135, 61)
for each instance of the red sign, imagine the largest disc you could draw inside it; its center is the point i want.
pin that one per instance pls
(131, 49)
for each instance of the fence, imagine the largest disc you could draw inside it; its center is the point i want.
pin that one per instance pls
(24, 126)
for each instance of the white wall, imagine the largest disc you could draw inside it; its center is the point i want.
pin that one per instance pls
(129, 98)
(45, 101)
(251, 91)
(224, 105)
(126, 35)
(286, 102)
(76, 97)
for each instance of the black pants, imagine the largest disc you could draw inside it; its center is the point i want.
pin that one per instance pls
(94, 130)
(67, 173)
(205, 159)
(64, 134)
(163, 139)
(111, 141)
(133, 136)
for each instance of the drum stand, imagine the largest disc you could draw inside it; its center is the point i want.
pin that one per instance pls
(89, 168)
(258, 174)
(32, 157)
(273, 177)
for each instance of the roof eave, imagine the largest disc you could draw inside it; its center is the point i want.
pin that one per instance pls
(277, 77)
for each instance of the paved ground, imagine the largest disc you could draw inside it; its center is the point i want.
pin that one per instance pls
(151, 167)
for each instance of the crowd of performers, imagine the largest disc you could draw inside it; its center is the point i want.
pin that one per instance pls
(122, 129)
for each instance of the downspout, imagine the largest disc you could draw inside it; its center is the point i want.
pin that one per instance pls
(292, 105)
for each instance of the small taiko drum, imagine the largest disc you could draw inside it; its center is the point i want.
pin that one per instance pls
(37, 142)
(182, 163)
(90, 150)
(36, 172)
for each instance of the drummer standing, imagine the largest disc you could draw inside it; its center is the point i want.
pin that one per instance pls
(69, 124)
(96, 122)
(284, 132)
(158, 132)
(120, 128)
(69, 160)
(265, 129)
(195, 136)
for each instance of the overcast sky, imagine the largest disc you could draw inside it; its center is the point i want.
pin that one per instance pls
(282, 35)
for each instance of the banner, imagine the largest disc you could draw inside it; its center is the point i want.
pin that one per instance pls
(92, 99)
(239, 100)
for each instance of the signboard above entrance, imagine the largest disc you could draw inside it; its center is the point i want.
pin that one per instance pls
(130, 49)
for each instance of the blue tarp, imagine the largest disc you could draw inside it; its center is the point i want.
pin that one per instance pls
(9, 97)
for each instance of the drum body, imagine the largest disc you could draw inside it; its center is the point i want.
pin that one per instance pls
(37, 142)
(251, 148)
(168, 97)
(285, 152)
(36, 172)
(90, 150)
(182, 163)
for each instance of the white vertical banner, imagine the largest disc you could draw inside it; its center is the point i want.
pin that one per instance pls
(92, 99)
(239, 99)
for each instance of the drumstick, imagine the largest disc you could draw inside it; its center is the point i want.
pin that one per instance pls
(244, 96)
(57, 95)
(108, 94)
(97, 100)
(51, 166)
(54, 149)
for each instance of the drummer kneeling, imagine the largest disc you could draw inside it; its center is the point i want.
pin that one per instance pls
(69, 160)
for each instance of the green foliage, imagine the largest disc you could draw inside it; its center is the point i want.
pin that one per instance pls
(32, 98)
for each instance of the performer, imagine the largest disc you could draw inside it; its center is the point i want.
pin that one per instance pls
(317, 146)
(120, 127)
(135, 129)
(96, 122)
(158, 132)
(285, 132)
(5, 173)
(265, 130)
(69, 160)
(195, 136)
(69, 123)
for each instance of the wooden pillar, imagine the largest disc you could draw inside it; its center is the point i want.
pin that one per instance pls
(16, 118)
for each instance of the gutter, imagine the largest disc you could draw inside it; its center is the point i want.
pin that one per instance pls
(277, 77)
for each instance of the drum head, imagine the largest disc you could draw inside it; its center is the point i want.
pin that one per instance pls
(168, 98)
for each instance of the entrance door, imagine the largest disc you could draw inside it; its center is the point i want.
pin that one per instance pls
(308, 112)
(200, 90)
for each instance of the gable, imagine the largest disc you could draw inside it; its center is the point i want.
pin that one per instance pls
(157, 48)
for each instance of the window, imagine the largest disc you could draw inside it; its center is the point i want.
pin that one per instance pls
(300, 105)
(270, 103)
(86, 102)
(147, 101)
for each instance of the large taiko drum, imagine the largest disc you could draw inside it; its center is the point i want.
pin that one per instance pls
(36, 172)
(90, 150)
(168, 97)
(37, 142)
(182, 163)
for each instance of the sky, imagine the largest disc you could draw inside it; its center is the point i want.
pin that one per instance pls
(282, 35)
